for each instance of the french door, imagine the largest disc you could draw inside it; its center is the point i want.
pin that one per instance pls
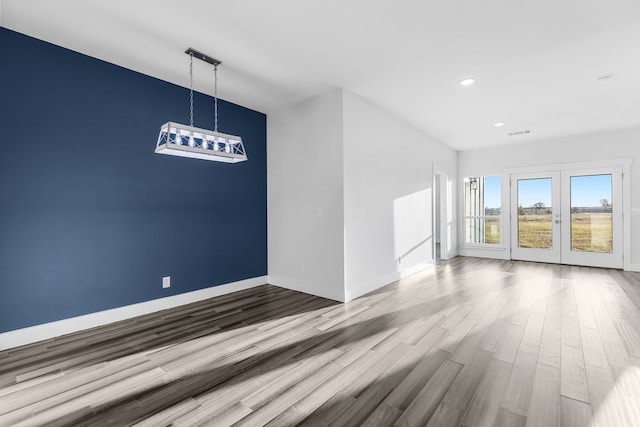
(568, 217)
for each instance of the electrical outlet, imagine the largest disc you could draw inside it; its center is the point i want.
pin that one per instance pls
(166, 282)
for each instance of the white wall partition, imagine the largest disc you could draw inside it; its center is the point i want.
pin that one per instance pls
(349, 196)
(305, 197)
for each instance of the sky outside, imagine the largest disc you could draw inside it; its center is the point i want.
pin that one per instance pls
(492, 192)
(585, 191)
(531, 191)
(589, 190)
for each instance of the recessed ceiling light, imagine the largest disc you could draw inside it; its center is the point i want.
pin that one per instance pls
(604, 78)
(499, 124)
(467, 82)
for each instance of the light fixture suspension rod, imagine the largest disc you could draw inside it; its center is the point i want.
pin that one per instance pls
(213, 61)
(215, 97)
(191, 89)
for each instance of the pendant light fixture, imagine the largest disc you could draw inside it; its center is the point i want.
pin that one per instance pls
(188, 141)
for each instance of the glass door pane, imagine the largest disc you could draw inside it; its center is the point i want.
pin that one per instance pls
(535, 207)
(535, 216)
(591, 213)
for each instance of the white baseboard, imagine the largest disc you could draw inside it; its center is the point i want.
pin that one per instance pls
(307, 287)
(484, 252)
(452, 254)
(45, 331)
(379, 282)
(632, 267)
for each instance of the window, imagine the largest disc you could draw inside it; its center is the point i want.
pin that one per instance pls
(482, 210)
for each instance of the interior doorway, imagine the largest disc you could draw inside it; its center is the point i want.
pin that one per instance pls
(442, 215)
(438, 219)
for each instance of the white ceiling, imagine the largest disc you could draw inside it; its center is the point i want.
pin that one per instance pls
(535, 61)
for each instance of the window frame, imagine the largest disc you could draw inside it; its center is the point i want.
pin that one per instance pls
(470, 217)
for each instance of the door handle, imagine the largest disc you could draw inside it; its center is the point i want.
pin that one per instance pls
(557, 221)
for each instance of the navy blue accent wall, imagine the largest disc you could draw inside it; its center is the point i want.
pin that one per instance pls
(90, 217)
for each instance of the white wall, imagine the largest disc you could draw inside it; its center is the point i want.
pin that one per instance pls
(579, 148)
(305, 197)
(388, 196)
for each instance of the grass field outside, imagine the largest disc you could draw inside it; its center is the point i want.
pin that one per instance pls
(492, 231)
(590, 232)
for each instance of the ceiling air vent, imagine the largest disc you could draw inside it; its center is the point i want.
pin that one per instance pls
(520, 132)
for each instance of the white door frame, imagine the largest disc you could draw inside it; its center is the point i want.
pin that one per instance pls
(446, 213)
(623, 163)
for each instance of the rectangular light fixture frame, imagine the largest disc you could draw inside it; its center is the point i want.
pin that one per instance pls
(187, 141)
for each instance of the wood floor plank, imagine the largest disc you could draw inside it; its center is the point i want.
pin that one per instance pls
(290, 417)
(427, 400)
(465, 351)
(328, 411)
(607, 409)
(573, 377)
(410, 333)
(352, 352)
(383, 415)
(574, 413)
(510, 343)
(303, 370)
(278, 404)
(459, 396)
(570, 331)
(455, 335)
(553, 314)
(630, 335)
(593, 350)
(335, 384)
(520, 386)
(170, 415)
(367, 401)
(407, 390)
(531, 337)
(627, 390)
(456, 316)
(550, 346)
(484, 406)
(495, 335)
(423, 347)
(388, 361)
(586, 319)
(544, 406)
(507, 418)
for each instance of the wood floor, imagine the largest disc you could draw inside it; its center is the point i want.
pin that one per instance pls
(470, 342)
